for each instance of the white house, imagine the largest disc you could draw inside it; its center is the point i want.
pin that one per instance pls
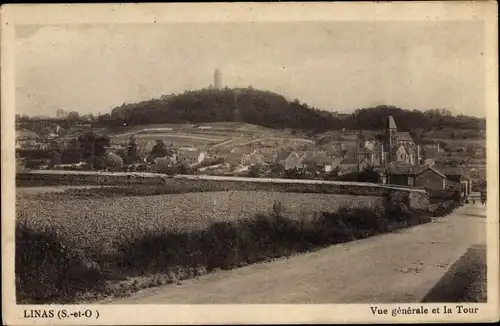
(191, 158)
(293, 161)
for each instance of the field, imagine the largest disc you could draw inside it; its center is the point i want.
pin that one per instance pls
(73, 247)
(100, 224)
(220, 135)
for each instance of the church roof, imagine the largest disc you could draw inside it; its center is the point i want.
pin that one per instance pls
(392, 123)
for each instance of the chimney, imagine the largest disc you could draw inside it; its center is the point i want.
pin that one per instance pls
(438, 148)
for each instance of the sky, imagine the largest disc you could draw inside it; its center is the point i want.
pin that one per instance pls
(334, 66)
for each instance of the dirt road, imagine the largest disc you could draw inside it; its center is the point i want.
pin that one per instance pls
(397, 267)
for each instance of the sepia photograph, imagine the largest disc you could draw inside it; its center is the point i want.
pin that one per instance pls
(251, 161)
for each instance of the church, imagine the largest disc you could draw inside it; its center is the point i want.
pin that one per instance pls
(390, 145)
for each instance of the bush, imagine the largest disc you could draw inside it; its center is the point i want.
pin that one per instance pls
(443, 208)
(255, 171)
(35, 163)
(56, 159)
(231, 244)
(49, 271)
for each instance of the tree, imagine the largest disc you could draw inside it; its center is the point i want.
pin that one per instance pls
(54, 146)
(73, 115)
(93, 147)
(88, 117)
(72, 153)
(123, 154)
(132, 155)
(56, 159)
(159, 150)
(113, 161)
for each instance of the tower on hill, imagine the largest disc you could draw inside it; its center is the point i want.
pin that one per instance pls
(217, 79)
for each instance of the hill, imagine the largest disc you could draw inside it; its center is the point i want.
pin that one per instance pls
(273, 110)
(210, 105)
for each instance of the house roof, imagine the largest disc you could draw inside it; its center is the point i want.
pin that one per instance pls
(295, 154)
(392, 123)
(255, 156)
(451, 171)
(432, 169)
(317, 157)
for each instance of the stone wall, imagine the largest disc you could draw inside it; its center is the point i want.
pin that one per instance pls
(419, 200)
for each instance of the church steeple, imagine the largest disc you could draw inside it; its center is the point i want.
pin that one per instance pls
(392, 129)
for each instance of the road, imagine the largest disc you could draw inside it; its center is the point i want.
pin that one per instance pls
(397, 267)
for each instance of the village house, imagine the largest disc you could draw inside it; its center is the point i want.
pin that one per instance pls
(428, 177)
(431, 179)
(166, 160)
(318, 161)
(292, 161)
(348, 165)
(401, 173)
(149, 145)
(457, 178)
(191, 158)
(253, 158)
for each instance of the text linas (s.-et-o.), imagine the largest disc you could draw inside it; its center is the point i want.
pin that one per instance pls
(455, 309)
